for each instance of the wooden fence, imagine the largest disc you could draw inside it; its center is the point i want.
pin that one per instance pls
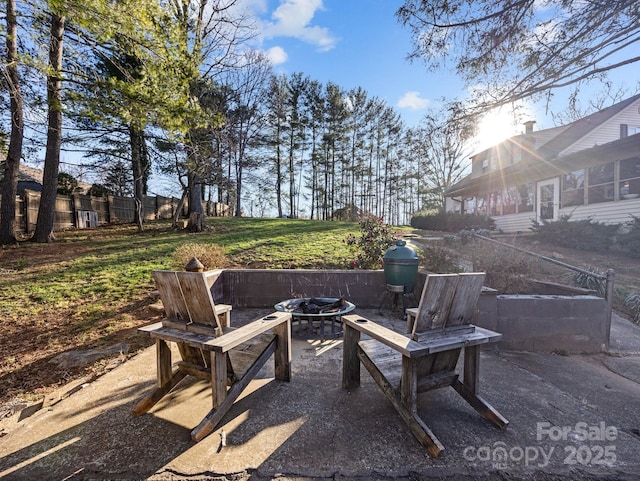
(85, 211)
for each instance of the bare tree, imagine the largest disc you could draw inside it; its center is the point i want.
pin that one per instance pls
(440, 145)
(578, 109)
(513, 49)
(245, 116)
(277, 108)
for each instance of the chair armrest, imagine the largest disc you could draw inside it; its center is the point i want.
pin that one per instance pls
(457, 337)
(436, 341)
(234, 338)
(212, 276)
(391, 338)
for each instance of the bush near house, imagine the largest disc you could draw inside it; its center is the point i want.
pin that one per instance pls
(452, 222)
(584, 235)
(629, 241)
(508, 271)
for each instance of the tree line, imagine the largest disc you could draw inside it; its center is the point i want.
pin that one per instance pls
(173, 87)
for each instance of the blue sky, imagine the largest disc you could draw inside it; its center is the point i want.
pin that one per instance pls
(353, 43)
(360, 43)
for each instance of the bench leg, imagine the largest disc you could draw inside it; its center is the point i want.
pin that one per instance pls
(282, 355)
(167, 380)
(350, 362)
(407, 411)
(468, 388)
(211, 420)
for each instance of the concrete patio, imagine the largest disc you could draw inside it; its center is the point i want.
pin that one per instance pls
(571, 417)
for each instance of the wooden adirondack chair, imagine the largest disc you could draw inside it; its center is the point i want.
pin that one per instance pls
(210, 349)
(404, 365)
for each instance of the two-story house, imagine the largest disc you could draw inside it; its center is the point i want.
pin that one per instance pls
(589, 168)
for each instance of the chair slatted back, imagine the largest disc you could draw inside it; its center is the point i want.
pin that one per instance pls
(447, 300)
(435, 302)
(464, 307)
(187, 298)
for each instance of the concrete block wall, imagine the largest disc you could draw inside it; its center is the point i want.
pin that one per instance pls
(547, 323)
(266, 287)
(536, 323)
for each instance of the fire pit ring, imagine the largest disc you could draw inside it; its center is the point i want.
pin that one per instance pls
(316, 311)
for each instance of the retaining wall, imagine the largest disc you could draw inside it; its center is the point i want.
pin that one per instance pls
(536, 323)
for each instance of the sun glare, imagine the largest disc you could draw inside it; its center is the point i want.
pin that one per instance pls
(496, 126)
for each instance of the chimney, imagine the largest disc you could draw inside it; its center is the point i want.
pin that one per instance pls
(528, 126)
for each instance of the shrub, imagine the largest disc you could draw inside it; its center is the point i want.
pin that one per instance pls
(583, 235)
(632, 302)
(211, 255)
(452, 222)
(369, 248)
(439, 260)
(629, 241)
(592, 280)
(508, 271)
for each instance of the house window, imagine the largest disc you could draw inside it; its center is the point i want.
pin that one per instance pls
(629, 185)
(525, 194)
(601, 183)
(573, 188)
(626, 130)
(469, 205)
(485, 165)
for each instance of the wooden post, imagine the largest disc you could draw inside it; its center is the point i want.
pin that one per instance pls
(163, 358)
(76, 206)
(26, 212)
(409, 385)
(471, 368)
(194, 265)
(350, 361)
(218, 378)
(609, 297)
(282, 356)
(110, 216)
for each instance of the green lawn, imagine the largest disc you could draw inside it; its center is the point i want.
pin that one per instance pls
(92, 287)
(88, 274)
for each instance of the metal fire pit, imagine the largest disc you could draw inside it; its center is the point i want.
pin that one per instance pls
(317, 312)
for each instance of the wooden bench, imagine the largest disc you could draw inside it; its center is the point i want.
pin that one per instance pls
(404, 365)
(209, 348)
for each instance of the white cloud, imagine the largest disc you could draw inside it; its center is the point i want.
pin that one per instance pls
(412, 100)
(292, 19)
(277, 55)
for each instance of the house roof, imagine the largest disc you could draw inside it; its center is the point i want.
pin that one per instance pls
(578, 129)
(544, 162)
(624, 148)
(539, 137)
(30, 174)
(32, 177)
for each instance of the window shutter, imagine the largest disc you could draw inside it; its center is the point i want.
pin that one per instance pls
(624, 130)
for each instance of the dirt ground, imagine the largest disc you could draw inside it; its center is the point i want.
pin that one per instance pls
(38, 378)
